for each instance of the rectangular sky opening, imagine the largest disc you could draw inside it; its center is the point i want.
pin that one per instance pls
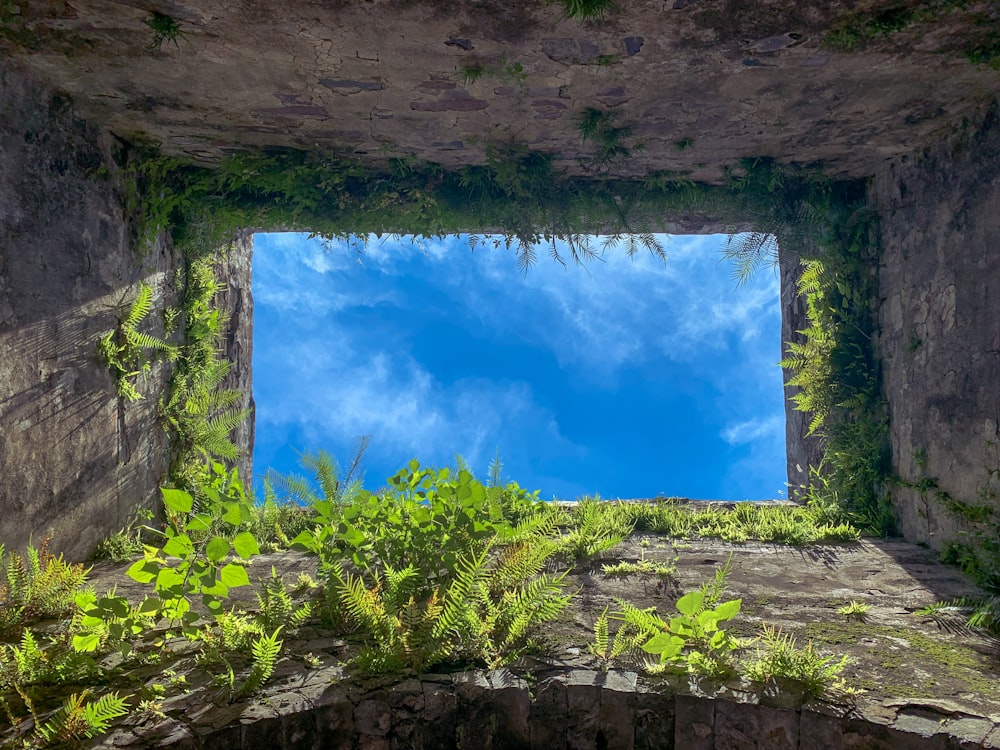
(624, 377)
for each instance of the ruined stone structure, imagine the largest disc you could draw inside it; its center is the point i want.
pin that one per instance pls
(701, 83)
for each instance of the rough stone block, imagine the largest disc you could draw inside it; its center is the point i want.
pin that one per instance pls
(373, 717)
(694, 723)
(778, 729)
(547, 721)
(653, 720)
(820, 731)
(737, 725)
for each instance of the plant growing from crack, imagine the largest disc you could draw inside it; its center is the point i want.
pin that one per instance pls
(123, 350)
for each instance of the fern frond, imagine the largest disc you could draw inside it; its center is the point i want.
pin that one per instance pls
(140, 307)
(266, 651)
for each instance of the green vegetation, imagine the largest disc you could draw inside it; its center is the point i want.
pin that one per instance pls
(35, 586)
(609, 139)
(165, 29)
(586, 10)
(855, 610)
(122, 350)
(504, 70)
(778, 657)
(856, 29)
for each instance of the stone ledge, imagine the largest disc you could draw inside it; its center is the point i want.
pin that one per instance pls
(571, 708)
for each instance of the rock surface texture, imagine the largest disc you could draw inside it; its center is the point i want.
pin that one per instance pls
(940, 325)
(77, 462)
(702, 84)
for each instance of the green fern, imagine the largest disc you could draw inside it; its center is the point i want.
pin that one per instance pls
(277, 607)
(79, 718)
(122, 350)
(265, 650)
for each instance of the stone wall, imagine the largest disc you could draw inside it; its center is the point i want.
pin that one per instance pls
(235, 272)
(940, 324)
(574, 709)
(76, 461)
(801, 449)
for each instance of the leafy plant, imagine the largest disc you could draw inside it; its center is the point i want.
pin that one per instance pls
(277, 609)
(484, 616)
(606, 648)
(36, 586)
(197, 412)
(194, 561)
(640, 567)
(265, 650)
(976, 612)
(778, 657)
(427, 520)
(165, 29)
(609, 139)
(855, 610)
(120, 546)
(122, 349)
(596, 527)
(79, 718)
(504, 70)
(586, 10)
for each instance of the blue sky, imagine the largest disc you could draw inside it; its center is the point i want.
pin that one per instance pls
(626, 378)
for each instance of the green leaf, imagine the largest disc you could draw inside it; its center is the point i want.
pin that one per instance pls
(232, 515)
(179, 546)
(143, 571)
(200, 522)
(664, 644)
(728, 610)
(234, 575)
(246, 545)
(177, 500)
(217, 549)
(88, 642)
(168, 578)
(150, 606)
(689, 604)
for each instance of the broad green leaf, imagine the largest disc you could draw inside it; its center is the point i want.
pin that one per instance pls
(150, 607)
(306, 540)
(217, 549)
(200, 522)
(717, 640)
(215, 589)
(728, 610)
(664, 644)
(353, 537)
(179, 546)
(87, 642)
(143, 571)
(117, 606)
(690, 603)
(246, 545)
(168, 578)
(177, 500)
(234, 575)
(232, 515)
(85, 600)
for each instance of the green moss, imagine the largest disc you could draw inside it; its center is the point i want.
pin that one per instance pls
(940, 655)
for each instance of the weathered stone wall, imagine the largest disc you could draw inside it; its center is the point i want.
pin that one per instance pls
(235, 272)
(578, 709)
(801, 449)
(940, 324)
(76, 462)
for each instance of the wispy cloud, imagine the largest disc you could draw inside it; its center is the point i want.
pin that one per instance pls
(336, 370)
(753, 429)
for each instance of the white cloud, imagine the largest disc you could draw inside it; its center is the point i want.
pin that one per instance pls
(754, 429)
